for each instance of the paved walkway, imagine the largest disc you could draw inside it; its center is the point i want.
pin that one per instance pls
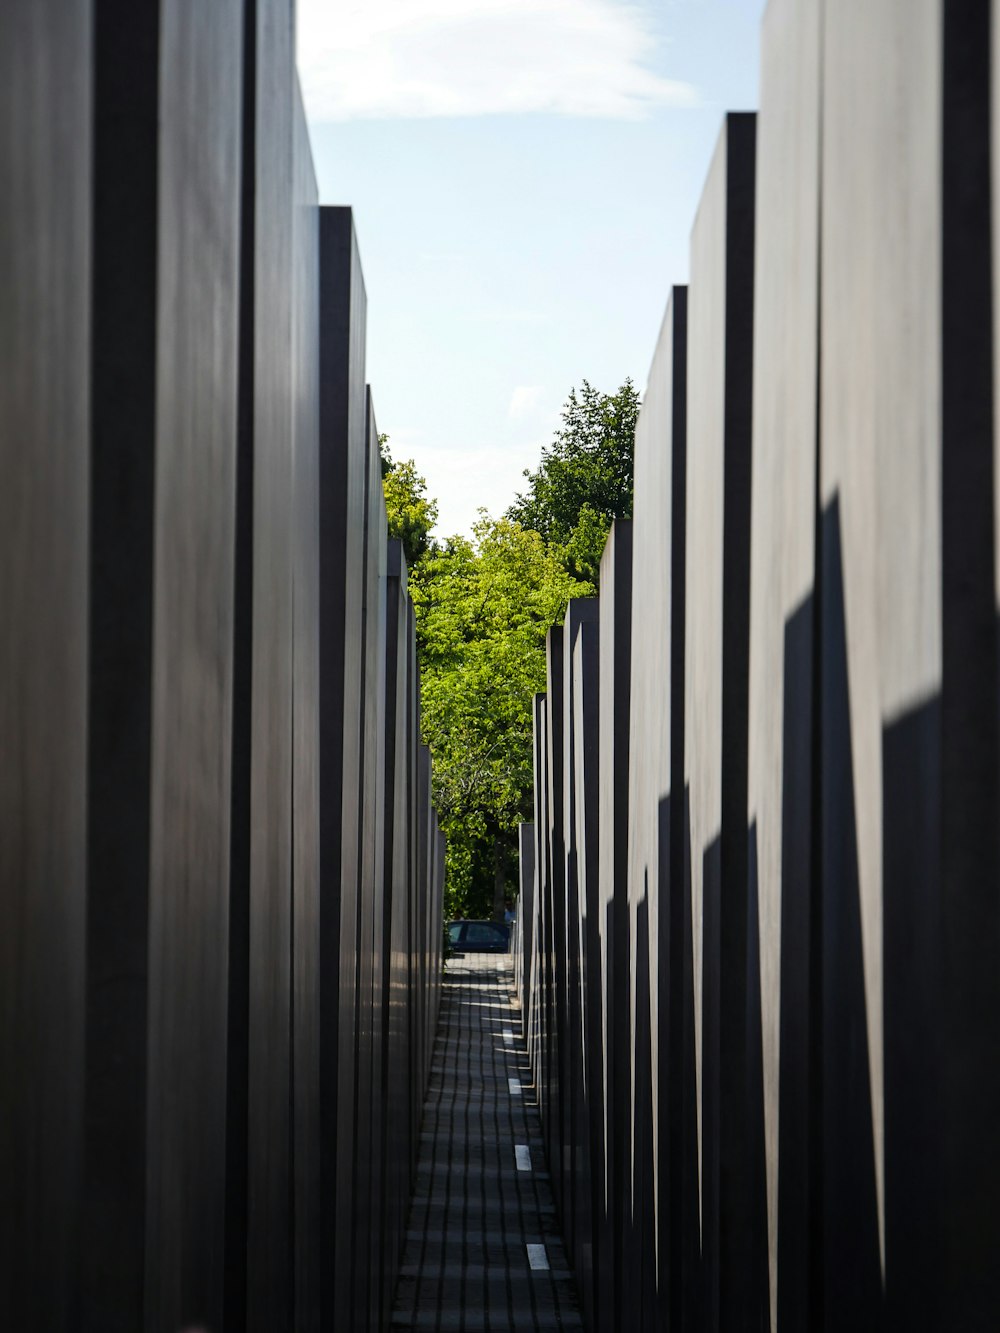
(483, 1248)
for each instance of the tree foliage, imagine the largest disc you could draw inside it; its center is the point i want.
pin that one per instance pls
(584, 479)
(410, 512)
(483, 606)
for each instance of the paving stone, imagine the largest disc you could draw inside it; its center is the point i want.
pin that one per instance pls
(473, 1215)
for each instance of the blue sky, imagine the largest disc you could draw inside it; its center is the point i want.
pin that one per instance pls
(524, 175)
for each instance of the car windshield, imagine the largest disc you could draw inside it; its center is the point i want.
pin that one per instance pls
(478, 932)
(454, 931)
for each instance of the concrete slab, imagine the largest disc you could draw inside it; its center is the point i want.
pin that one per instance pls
(781, 736)
(46, 143)
(720, 360)
(655, 848)
(164, 415)
(343, 425)
(615, 640)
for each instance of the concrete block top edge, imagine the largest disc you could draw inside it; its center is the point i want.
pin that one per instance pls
(737, 131)
(580, 610)
(396, 566)
(371, 425)
(338, 214)
(619, 537)
(336, 222)
(676, 304)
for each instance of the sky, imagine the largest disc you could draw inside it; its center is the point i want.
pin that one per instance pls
(524, 175)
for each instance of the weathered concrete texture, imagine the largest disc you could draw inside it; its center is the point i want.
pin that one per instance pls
(880, 599)
(371, 887)
(222, 932)
(567, 959)
(815, 760)
(417, 983)
(306, 956)
(908, 625)
(266, 447)
(585, 951)
(555, 1021)
(434, 897)
(426, 869)
(612, 1037)
(720, 333)
(425, 911)
(658, 1025)
(534, 964)
(342, 507)
(46, 97)
(780, 746)
(524, 920)
(163, 486)
(970, 759)
(398, 1126)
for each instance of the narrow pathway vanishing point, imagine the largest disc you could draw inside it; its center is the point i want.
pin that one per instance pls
(483, 1249)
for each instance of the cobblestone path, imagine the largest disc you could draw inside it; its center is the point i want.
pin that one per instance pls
(482, 1249)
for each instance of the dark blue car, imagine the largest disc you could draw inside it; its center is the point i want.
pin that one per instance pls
(479, 936)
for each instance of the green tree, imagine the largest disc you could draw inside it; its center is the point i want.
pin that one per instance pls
(483, 608)
(584, 479)
(410, 512)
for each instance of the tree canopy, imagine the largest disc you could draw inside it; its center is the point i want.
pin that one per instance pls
(482, 608)
(584, 479)
(483, 605)
(410, 512)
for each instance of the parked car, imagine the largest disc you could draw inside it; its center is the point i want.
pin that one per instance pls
(479, 936)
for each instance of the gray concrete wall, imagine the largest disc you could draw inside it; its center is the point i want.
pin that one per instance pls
(814, 997)
(46, 145)
(523, 947)
(720, 352)
(342, 508)
(655, 782)
(782, 568)
(586, 994)
(165, 292)
(615, 647)
(268, 163)
(208, 966)
(554, 914)
(649, 702)
(909, 739)
(306, 806)
(396, 1146)
(567, 949)
(371, 883)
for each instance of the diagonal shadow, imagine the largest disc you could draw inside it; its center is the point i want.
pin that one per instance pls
(912, 925)
(758, 1307)
(711, 1111)
(641, 1266)
(852, 1275)
(798, 1121)
(691, 1296)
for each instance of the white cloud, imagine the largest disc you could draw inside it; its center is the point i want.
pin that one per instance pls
(524, 401)
(462, 480)
(418, 58)
(402, 440)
